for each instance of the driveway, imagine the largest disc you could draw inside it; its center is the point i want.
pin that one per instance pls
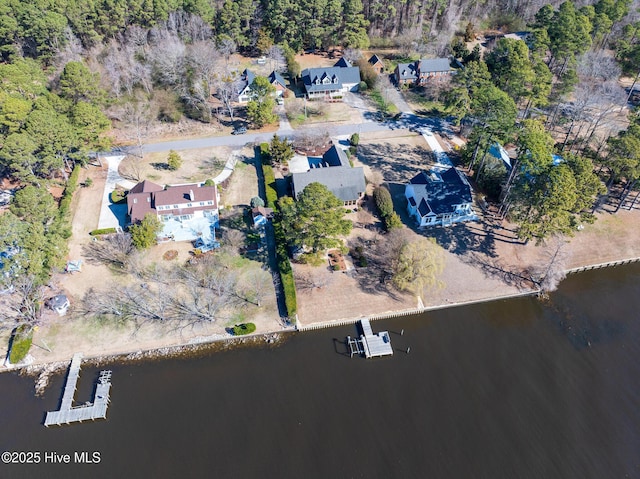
(113, 216)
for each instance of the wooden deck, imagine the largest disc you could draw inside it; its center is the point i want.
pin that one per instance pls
(369, 344)
(95, 410)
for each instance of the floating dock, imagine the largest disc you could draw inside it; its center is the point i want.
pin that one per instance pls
(95, 410)
(369, 344)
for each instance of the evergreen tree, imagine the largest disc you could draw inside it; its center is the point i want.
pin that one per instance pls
(315, 220)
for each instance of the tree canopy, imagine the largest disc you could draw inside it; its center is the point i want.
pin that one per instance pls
(315, 220)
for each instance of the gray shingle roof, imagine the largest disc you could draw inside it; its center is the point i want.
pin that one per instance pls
(344, 63)
(275, 76)
(334, 76)
(345, 182)
(434, 65)
(407, 71)
(440, 192)
(245, 80)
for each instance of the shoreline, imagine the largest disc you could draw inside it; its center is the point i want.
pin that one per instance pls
(42, 370)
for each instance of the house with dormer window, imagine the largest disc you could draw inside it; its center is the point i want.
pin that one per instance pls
(331, 83)
(423, 71)
(439, 198)
(187, 211)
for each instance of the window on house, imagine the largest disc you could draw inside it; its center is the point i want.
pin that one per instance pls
(189, 205)
(202, 203)
(209, 202)
(175, 206)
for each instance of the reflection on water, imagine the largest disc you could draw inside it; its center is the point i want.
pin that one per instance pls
(511, 389)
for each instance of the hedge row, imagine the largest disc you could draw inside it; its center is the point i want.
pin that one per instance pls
(265, 153)
(103, 231)
(286, 272)
(384, 203)
(67, 196)
(270, 186)
(282, 257)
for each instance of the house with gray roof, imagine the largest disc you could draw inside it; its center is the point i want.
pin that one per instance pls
(244, 86)
(331, 83)
(439, 198)
(423, 71)
(278, 83)
(335, 172)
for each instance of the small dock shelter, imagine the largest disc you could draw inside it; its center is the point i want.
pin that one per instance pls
(369, 344)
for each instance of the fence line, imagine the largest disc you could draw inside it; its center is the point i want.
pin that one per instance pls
(410, 312)
(603, 265)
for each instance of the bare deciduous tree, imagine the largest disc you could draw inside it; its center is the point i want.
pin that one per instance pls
(352, 55)
(227, 85)
(116, 250)
(549, 274)
(22, 305)
(277, 61)
(234, 239)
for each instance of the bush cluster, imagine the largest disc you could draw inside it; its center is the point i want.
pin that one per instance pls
(20, 343)
(244, 328)
(102, 231)
(384, 203)
(117, 196)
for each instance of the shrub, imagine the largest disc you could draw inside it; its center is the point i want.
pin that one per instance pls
(117, 196)
(88, 182)
(174, 160)
(244, 328)
(384, 203)
(336, 267)
(209, 182)
(354, 140)
(102, 231)
(20, 343)
(362, 262)
(363, 86)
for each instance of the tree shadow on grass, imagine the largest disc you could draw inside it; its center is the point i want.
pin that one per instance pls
(411, 160)
(160, 166)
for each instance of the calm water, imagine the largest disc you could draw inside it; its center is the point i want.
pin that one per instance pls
(512, 389)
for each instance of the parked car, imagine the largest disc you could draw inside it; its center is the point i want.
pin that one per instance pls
(241, 130)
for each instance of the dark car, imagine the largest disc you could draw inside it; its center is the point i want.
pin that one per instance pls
(239, 131)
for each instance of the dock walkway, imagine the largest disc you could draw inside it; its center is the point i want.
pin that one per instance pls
(95, 410)
(369, 344)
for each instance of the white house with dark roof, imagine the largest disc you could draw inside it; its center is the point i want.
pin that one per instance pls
(335, 172)
(423, 71)
(331, 83)
(244, 86)
(439, 198)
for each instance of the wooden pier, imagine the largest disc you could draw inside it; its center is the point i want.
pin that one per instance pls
(369, 344)
(95, 410)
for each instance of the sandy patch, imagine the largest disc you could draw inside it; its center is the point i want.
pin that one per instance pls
(197, 165)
